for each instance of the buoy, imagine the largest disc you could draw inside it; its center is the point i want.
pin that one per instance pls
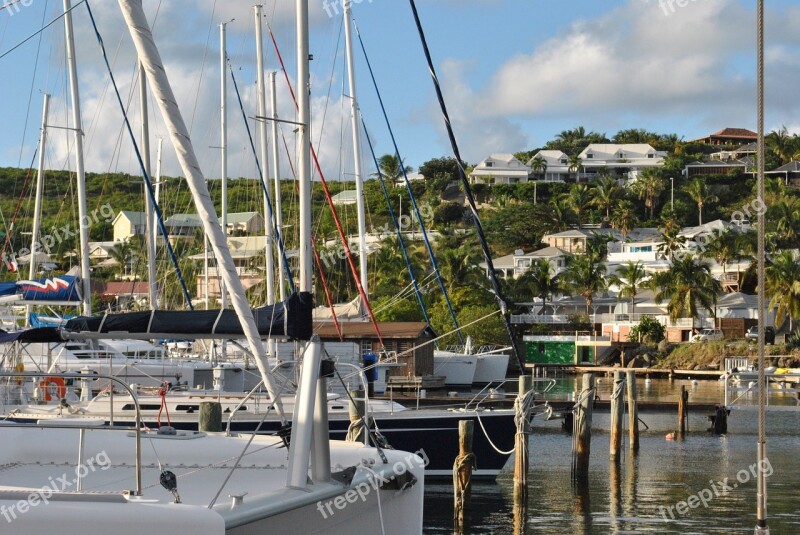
(599, 381)
(694, 382)
(648, 381)
(670, 436)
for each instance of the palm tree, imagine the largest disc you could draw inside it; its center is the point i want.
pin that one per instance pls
(458, 268)
(574, 164)
(597, 245)
(579, 199)
(781, 144)
(539, 165)
(606, 192)
(786, 216)
(698, 192)
(629, 278)
(391, 167)
(648, 186)
(783, 284)
(539, 281)
(584, 276)
(624, 218)
(688, 285)
(122, 254)
(723, 247)
(671, 242)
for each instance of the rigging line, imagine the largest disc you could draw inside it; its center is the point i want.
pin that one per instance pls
(202, 67)
(428, 246)
(33, 83)
(145, 174)
(40, 30)
(396, 226)
(7, 241)
(340, 230)
(276, 232)
(468, 192)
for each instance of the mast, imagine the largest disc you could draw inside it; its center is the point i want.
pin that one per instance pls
(37, 207)
(158, 174)
(304, 145)
(159, 84)
(150, 212)
(351, 75)
(223, 114)
(276, 174)
(80, 172)
(262, 129)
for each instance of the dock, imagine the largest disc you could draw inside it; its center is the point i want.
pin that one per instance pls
(656, 372)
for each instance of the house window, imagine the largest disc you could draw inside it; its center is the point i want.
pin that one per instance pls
(366, 346)
(563, 161)
(621, 155)
(589, 156)
(651, 155)
(489, 164)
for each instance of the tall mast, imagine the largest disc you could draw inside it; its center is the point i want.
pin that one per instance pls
(223, 114)
(359, 177)
(158, 171)
(150, 212)
(80, 172)
(276, 174)
(304, 145)
(262, 128)
(37, 207)
(179, 134)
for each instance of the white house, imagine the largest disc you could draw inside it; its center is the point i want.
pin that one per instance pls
(557, 165)
(516, 264)
(500, 169)
(621, 159)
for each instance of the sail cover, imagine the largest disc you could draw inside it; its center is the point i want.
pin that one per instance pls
(63, 288)
(290, 319)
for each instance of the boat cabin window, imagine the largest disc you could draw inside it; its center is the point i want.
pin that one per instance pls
(143, 407)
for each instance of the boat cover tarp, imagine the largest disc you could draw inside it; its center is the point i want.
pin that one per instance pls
(290, 319)
(8, 288)
(40, 335)
(61, 289)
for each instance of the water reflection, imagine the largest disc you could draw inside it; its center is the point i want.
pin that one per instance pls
(636, 495)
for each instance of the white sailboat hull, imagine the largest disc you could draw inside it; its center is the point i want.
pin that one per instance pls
(457, 369)
(491, 368)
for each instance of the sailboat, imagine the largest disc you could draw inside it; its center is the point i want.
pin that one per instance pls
(167, 481)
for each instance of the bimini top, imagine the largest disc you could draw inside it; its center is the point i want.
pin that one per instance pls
(289, 319)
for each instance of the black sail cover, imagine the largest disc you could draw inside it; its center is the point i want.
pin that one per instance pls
(290, 319)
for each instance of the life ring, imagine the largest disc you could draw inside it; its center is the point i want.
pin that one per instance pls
(47, 383)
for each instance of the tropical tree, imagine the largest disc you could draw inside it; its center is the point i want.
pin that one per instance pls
(579, 199)
(584, 276)
(605, 194)
(539, 165)
(672, 242)
(786, 217)
(122, 254)
(697, 190)
(597, 245)
(630, 279)
(648, 186)
(782, 144)
(391, 167)
(623, 218)
(688, 286)
(458, 268)
(574, 165)
(783, 285)
(722, 246)
(539, 281)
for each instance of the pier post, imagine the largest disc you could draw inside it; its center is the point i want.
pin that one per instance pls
(582, 438)
(617, 408)
(210, 418)
(683, 408)
(521, 444)
(462, 482)
(633, 412)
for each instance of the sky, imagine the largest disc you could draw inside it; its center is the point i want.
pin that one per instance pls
(514, 74)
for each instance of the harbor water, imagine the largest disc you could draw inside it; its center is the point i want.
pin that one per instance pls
(700, 485)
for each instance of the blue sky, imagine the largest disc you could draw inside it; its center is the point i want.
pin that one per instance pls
(515, 73)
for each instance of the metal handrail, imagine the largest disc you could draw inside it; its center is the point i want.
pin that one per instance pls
(485, 394)
(79, 376)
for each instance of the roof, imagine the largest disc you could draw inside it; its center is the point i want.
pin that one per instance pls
(137, 218)
(241, 217)
(364, 329)
(791, 167)
(346, 196)
(705, 228)
(548, 252)
(120, 288)
(743, 133)
(737, 300)
(185, 220)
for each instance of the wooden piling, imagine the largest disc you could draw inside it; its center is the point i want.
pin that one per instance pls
(462, 482)
(583, 426)
(633, 412)
(521, 445)
(617, 409)
(721, 421)
(210, 417)
(683, 409)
